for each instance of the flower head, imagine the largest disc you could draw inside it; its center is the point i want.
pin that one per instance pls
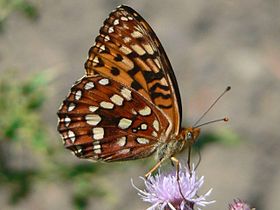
(239, 205)
(162, 191)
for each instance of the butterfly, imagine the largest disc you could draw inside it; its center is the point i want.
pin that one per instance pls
(127, 105)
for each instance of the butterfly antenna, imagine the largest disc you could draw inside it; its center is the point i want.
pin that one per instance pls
(225, 119)
(210, 107)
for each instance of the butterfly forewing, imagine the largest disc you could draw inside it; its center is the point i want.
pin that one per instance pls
(128, 51)
(102, 119)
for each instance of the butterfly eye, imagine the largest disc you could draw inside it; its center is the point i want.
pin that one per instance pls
(189, 136)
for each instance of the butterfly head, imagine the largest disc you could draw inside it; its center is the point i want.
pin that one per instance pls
(191, 134)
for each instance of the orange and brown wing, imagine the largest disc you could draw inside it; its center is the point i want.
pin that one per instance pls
(128, 51)
(102, 119)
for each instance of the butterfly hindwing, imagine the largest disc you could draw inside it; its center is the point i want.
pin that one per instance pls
(102, 119)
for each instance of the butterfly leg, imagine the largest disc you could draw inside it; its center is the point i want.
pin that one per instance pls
(189, 157)
(177, 164)
(199, 160)
(154, 168)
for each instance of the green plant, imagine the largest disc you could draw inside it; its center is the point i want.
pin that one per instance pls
(7, 7)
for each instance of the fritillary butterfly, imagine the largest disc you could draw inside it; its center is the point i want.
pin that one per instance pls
(127, 106)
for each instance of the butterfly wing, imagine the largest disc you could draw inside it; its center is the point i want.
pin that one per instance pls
(128, 51)
(102, 119)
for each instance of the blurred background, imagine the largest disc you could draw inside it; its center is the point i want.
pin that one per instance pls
(211, 44)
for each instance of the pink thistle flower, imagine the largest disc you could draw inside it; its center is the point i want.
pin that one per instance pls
(162, 191)
(239, 205)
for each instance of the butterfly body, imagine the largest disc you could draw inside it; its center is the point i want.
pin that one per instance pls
(127, 106)
(176, 144)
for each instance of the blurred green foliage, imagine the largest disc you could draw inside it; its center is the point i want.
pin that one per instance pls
(223, 136)
(7, 7)
(20, 103)
(22, 128)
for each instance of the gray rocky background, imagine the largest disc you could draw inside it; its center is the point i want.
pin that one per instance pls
(211, 44)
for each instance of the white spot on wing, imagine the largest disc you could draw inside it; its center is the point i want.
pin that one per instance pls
(126, 39)
(98, 133)
(136, 34)
(145, 111)
(154, 134)
(156, 125)
(67, 121)
(138, 49)
(102, 48)
(118, 100)
(157, 63)
(106, 105)
(95, 59)
(116, 22)
(124, 18)
(107, 38)
(92, 108)
(123, 151)
(148, 48)
(104, 81)
(128, 62)
(97, 151)
(163, 81)
(111, 30)
(93, 119)
(121, 141)
(125, 49)
(78, 95)
(126, 93)
(89, 85)
(71, 136)
(133, 111)
(144, 126)
(97, 147)
(79, 149)
(124, 123)
(142, 140)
